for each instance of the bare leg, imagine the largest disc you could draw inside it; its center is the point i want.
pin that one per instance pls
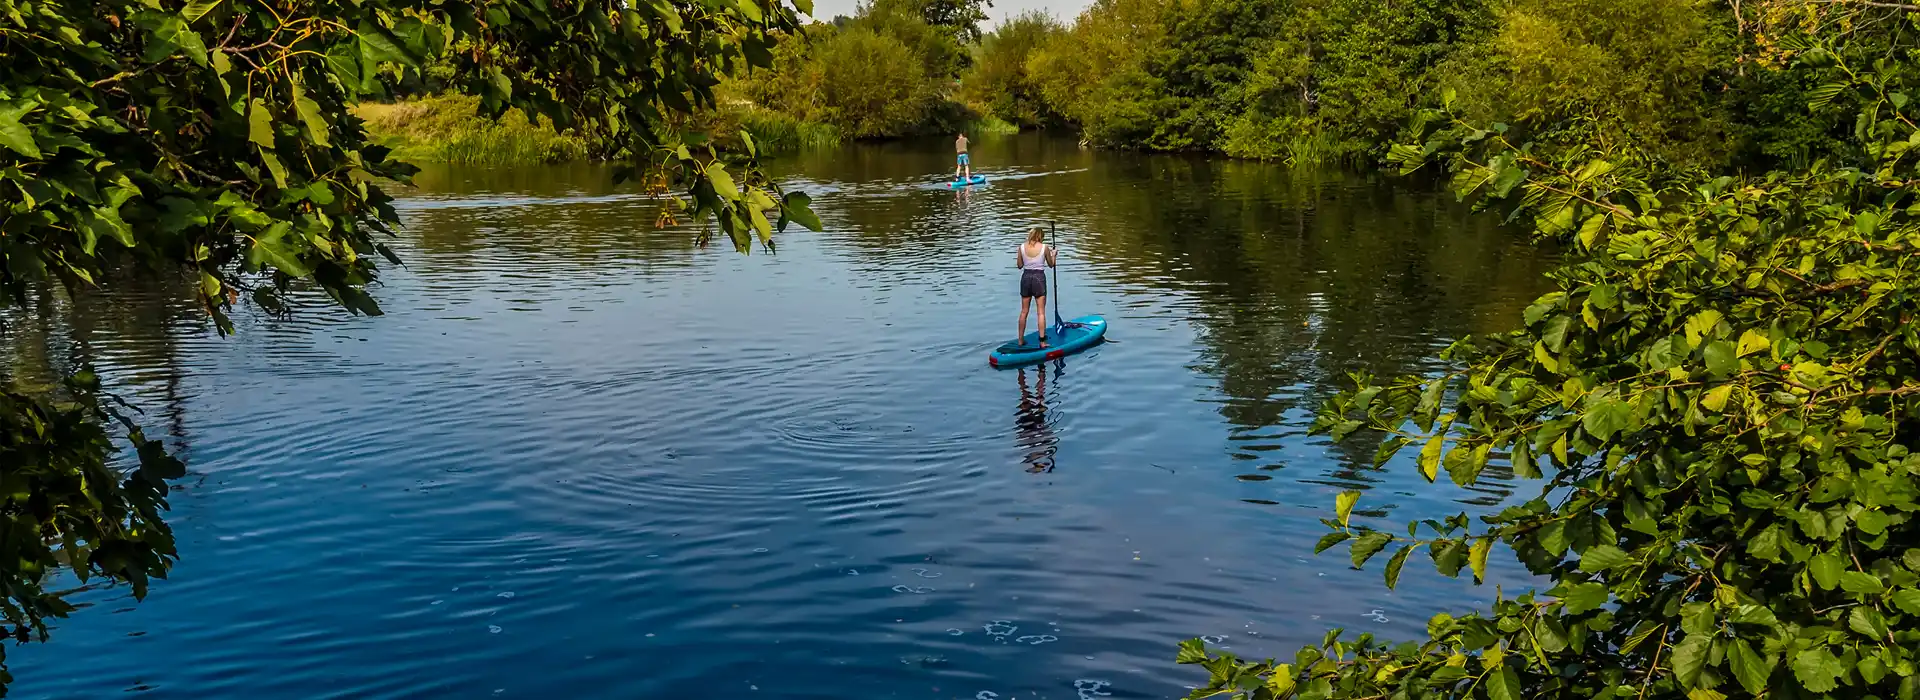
(1042, 303)
(1022, 338)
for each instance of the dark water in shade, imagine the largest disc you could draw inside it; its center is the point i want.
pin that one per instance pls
(584, 458)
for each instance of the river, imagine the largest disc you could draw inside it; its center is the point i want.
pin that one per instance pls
(581, 457)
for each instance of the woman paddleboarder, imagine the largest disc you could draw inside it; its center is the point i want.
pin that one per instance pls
(1034, 257)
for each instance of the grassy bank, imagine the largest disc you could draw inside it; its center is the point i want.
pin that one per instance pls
(773, 132)
(448, 129)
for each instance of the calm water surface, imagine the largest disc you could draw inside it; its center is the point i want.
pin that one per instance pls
(581, 457)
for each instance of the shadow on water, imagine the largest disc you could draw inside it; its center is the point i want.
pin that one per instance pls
(583, 456)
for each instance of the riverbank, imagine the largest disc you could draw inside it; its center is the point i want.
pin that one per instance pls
(449, 129)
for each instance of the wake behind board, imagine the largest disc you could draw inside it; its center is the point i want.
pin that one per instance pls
(1079, 334)
(975, 180)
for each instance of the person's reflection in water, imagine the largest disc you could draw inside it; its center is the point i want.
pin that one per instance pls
(1032, 432)
(963, 195)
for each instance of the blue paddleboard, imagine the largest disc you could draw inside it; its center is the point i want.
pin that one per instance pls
(1079, 334)
(975, 180)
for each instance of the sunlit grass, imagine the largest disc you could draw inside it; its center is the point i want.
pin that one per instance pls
(448, 129)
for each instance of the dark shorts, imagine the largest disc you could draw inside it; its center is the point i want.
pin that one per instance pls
(1033, 283)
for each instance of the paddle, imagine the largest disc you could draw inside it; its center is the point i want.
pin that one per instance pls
(1059, 324)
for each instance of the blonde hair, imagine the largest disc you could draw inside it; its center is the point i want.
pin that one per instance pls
(1036, 235)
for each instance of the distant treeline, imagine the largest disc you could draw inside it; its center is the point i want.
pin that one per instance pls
(1686, 81)
(1305, 79)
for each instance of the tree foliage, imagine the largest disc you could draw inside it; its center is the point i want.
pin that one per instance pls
(885, 72)
(213, 138)
(1000, 80)
(1095, 74)
(1719, 402)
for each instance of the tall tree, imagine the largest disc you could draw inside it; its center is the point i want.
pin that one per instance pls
(213, 138)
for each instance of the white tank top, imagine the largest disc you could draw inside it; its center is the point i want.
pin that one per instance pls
(1038, 262)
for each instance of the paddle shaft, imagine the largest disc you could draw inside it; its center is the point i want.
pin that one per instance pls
(1058, 321)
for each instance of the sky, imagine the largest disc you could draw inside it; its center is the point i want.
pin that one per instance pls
(1063, 10)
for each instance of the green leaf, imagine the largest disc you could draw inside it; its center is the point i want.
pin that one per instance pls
(1602, 558)
(1343, 505)
(1871, 670)
(1861, 583)
(1367, 545)
(1583, 597)
(1330, 539)
(1872, 522)
(1751, 669)
(1504, 685)
(1556, 219)
(1818, 670)
(1753, 341)
(1722, 359)
(274, 167)
(379, 45)
(1477, 558)
(167, 34)
(1552, 537)
(1701, 326)
(1448, 556)
(1826, 568)
(1908, 600)
(760, 224)
(1819, 97)
(310, 115)
(1430, 457)
(198, 8)
(1753, 615)
(1690, 658)
(1868, 622)
(1393, 566)
(1591, 228)
(343, 60)
(260, 124)
(665, 10)
(722, 182)
(1607, 417)
(15, 135)
(1555, 336)
(795, 205)
(106, 223)
(1192, 651)
(1716, 398)
(1464, 464)
(272, 249)
(1282, 680)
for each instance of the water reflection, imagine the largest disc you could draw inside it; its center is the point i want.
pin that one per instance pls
(1034, 435)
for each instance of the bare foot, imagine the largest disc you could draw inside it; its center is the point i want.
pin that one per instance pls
(1043, 342)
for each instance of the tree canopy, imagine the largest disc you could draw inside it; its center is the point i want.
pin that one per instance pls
(212, 138)
(1718, 402)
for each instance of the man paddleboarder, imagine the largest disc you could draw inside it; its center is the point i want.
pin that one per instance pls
(962, 169)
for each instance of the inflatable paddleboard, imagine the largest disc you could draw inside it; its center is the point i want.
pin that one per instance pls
(1079, 334)
(975, 180)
